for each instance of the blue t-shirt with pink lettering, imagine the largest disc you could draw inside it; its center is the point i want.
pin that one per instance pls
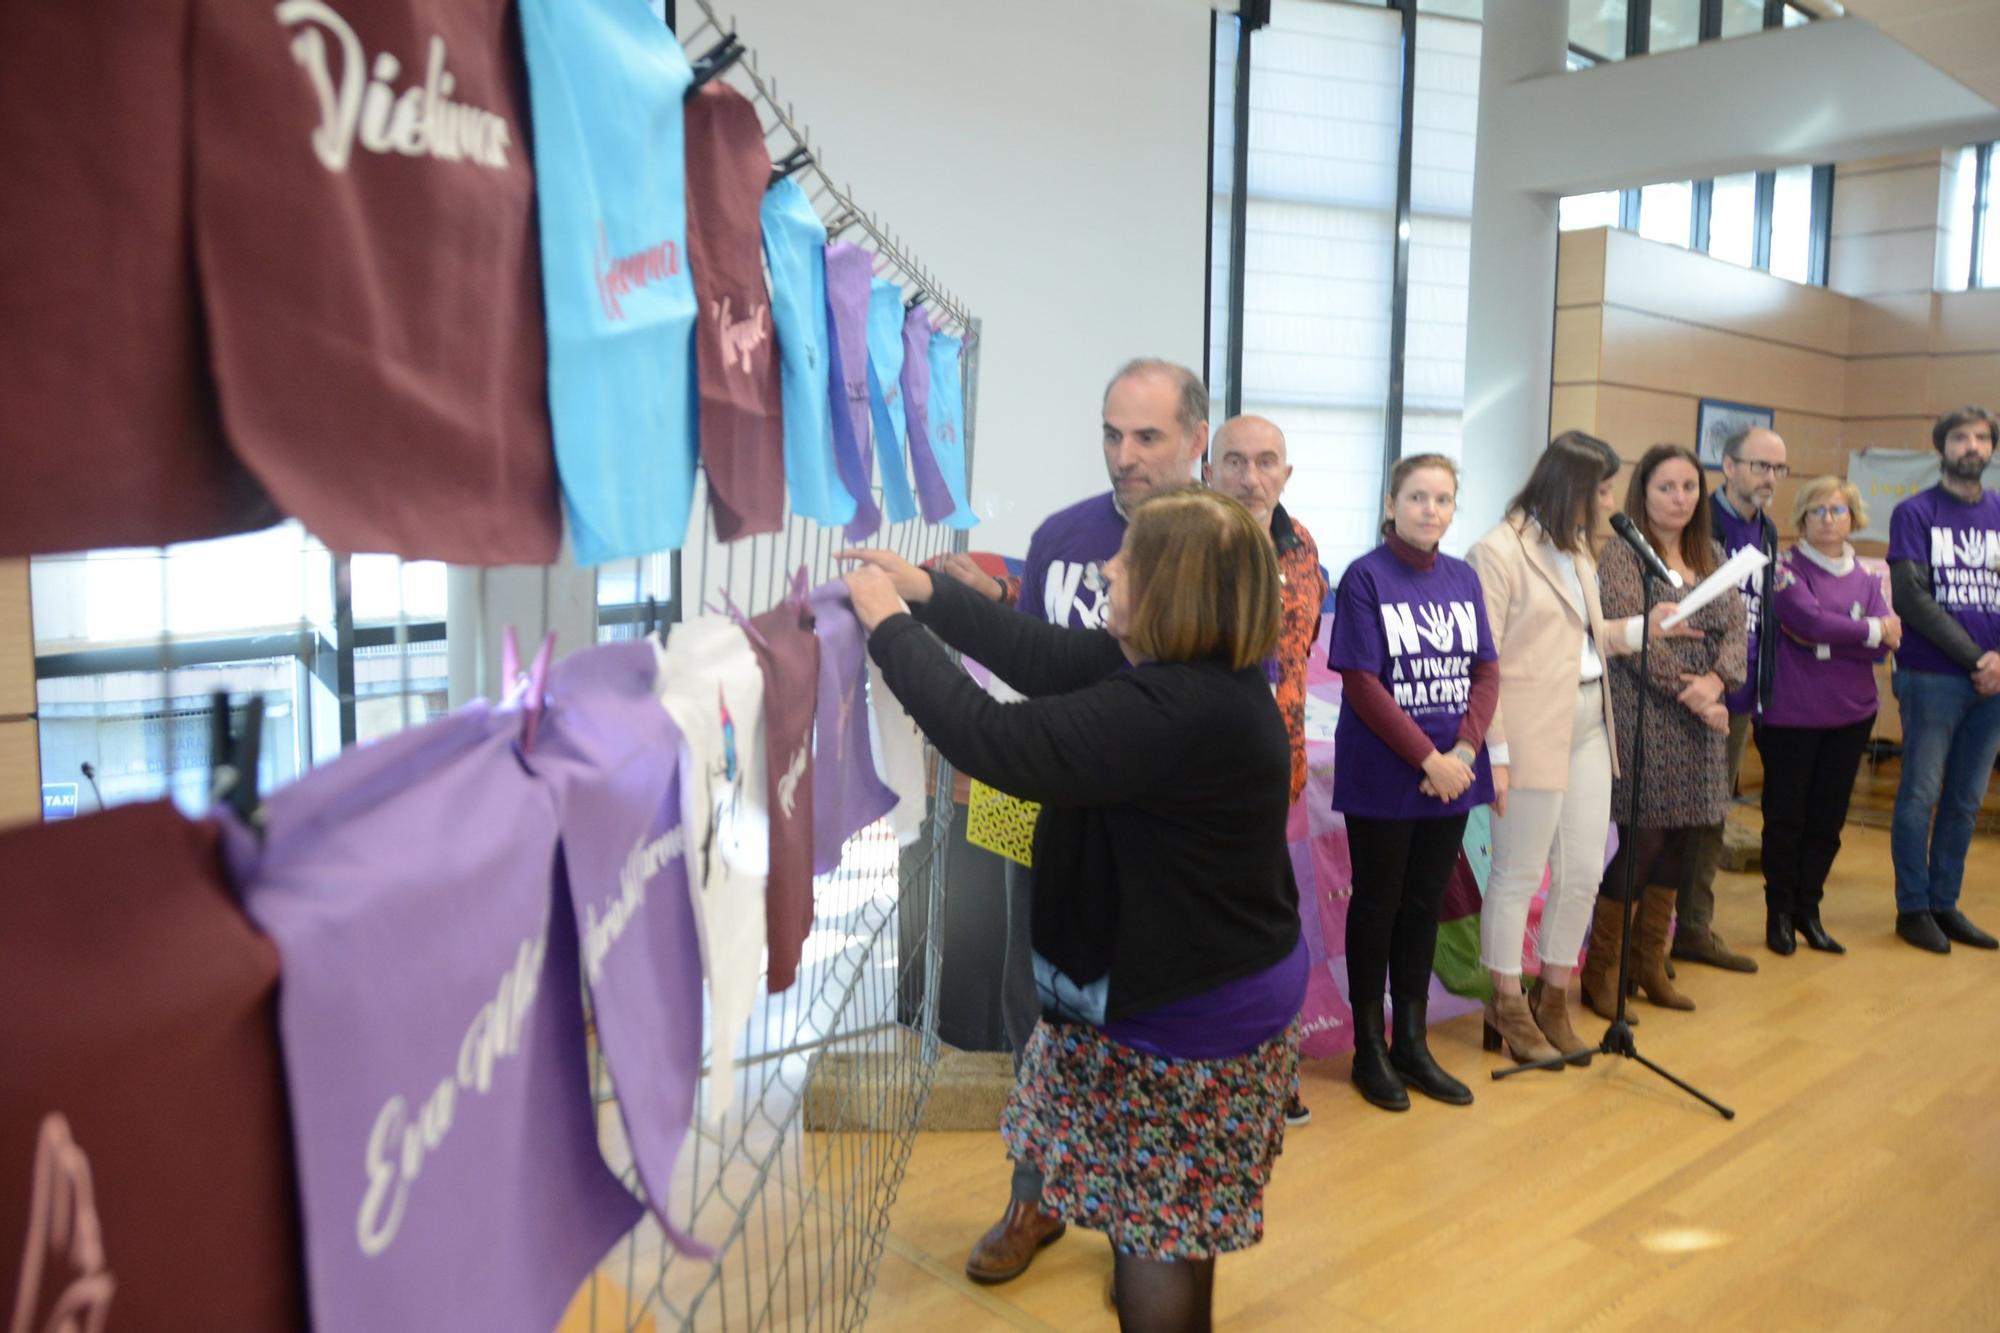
(1960, 543)
(1419, 632)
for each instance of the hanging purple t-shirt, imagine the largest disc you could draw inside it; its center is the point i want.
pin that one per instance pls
(612, 760)
(1961, 544)
(849, 271)
(1062, 581)
(1420, 632)
(432, 1020)
(932, 493)
(847, 794)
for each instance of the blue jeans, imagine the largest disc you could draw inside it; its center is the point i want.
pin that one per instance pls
(1950, 738)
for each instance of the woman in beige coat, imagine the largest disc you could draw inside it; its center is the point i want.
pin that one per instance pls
(1551, 739)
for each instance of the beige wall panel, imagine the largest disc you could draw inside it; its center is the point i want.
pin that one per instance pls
(1684, 285)
(1896, 162)
(1887, 325)
(1573, 407)
(1968, 321)
(1634, 420)
(1885, 433)
(1579, 344)
(1958, 380)
(1580, 267)
(20, 774)
(1901, 261)
(1901, 200)
(17, 641)
(1888, 386)
(1812, 443)
(1649, 352)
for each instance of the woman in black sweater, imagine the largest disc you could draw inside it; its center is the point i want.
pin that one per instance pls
(1165, 916)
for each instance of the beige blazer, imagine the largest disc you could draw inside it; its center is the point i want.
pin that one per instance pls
(1539, 634)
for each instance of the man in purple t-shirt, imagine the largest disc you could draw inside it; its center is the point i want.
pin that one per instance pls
(1753, 462)
(1155, 429)
(1944, 565)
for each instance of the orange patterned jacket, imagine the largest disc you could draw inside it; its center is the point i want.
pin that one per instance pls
(1305, 593)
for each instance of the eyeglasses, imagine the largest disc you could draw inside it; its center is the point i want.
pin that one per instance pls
(1825, 512)
(1763, 469)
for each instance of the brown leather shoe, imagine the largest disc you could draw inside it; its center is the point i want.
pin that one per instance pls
(1006, 1250)
(1693, 944)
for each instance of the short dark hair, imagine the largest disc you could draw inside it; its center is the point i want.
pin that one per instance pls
(1963, 416)
(1191, 395)
(1697, 538)
(1733, 446)
(1560, 489)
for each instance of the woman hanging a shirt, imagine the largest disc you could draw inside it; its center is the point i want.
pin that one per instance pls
(1165, 918)
(1418, 686)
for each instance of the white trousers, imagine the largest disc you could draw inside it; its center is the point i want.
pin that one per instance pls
(1562, 830)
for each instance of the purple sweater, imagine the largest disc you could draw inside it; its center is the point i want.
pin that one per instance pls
(1829, 639)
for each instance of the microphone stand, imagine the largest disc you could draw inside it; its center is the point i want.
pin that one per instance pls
(1618, 1036)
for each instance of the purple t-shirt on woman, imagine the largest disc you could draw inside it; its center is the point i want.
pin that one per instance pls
(1419, 631)
(1825, 662)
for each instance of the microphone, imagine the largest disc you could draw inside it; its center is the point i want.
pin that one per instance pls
(1649, 559)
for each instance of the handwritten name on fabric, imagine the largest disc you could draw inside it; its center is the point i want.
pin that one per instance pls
(432, 1021)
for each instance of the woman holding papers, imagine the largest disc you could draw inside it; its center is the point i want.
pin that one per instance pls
(1686, 783)
(1834, 626)
(1549, 738)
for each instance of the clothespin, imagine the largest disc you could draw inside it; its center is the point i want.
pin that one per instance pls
(233, 758)
(719, 58)
(730, 609)
(529, 691)
(790, 163)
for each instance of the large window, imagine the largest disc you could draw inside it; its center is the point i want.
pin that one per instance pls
(132, 647)
(1971, 251)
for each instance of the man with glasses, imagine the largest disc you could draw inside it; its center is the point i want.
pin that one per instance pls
(1753, 462)
(1944, 565)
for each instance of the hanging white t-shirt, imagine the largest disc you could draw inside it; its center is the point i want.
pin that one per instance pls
(899, 755)
(712, 687)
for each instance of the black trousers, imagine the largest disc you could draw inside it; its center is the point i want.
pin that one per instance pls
(1666, 858)
(1808, 780)
(1401, 870)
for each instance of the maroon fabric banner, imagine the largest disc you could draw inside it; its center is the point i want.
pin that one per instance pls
(110, 435)
(365, 225)
(742, 410)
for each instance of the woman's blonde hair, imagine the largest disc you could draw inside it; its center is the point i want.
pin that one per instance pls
(1815, 492)
(1205, 581)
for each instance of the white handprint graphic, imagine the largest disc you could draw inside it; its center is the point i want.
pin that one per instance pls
(1436, 627)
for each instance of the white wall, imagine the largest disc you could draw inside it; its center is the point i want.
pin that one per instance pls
(1047, 160)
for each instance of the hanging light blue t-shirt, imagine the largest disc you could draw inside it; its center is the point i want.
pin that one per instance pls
(948, 426)
(795, 249)
(885, 398)
(606, 82)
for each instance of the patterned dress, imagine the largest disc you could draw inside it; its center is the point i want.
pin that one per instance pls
(1305, 593)
(1687, 764)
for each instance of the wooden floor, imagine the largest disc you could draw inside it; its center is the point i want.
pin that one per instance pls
(1857, 1188)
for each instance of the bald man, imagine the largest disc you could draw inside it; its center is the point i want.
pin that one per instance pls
(1753, 463)
(1250, 465)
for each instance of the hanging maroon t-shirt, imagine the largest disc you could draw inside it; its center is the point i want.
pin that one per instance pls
(145, 1158)
(365, 226)
(742, 412)
(788, 652)
(110, 434)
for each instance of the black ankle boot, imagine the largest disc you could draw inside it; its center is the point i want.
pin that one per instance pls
(1410, 1056)
(1816, 937)
(1779, 935)
(1373, 1074)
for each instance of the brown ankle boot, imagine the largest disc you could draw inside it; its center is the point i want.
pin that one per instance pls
(1508, 1022)
(1599, 981)
(1549, 1006)
(1649, 948)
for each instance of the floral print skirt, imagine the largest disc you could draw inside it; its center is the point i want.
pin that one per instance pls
(1167, 1157)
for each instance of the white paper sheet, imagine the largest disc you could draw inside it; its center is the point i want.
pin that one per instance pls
(1734, 571)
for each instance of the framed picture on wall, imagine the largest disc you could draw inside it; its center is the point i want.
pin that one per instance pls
(1718, 420)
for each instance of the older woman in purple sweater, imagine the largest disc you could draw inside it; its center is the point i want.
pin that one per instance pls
(1834, 626)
